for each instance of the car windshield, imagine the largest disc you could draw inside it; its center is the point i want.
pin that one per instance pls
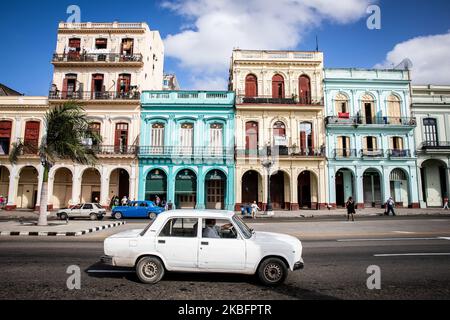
(146, 228)
(246, 231)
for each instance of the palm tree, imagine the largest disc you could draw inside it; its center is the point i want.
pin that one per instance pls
(67, 127)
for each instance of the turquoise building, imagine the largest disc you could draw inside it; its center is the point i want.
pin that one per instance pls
(370, 137)
(186, 153)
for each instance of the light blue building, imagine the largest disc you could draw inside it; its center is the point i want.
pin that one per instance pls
(186, 153)
(370, 137)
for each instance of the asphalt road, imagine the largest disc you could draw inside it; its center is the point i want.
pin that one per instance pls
(414, 265)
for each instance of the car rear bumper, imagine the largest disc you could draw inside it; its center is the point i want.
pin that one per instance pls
(299, 266)
(107, 260)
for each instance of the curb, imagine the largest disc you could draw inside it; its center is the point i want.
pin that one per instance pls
(62, 234)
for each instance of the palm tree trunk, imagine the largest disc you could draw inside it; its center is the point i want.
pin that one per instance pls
(43, 202)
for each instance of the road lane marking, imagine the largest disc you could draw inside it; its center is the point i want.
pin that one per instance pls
(392, 239)
(411, 254)
(445, 238)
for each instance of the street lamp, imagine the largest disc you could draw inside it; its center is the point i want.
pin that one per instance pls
(268, 162)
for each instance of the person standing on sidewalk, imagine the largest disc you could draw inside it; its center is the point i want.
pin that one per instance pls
(350, 205)
(255, 209)
(446, 203)
(390, 206)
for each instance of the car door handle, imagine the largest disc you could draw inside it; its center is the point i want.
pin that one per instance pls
(162, 241)
(205, 243)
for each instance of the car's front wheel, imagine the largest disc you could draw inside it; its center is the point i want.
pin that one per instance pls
(150, 270)
(272, 272)
(63, 216)
(93, 216)
(118, 216)
(152, 215)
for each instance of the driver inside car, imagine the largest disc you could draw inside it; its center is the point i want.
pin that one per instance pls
(212, 231)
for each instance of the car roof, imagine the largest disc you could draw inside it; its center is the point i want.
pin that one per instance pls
(199, 213)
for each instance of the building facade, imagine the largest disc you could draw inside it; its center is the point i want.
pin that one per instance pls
(171, 83)
(186, 153)
(370, 137)
(104, 67)
(280, 136)
(431, 107)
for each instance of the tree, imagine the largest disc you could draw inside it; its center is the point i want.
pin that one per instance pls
(67, 129)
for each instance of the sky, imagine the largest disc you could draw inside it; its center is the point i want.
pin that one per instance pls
(199, 35)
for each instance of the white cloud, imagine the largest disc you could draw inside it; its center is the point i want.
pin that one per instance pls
(221, 25)
(429, 55)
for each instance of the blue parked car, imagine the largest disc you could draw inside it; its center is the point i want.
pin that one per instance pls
(137, 209)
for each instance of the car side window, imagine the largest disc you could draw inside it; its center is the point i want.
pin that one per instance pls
(143, 204)
(77, 207)
(88, 207)
(218, 229)
(180, 228)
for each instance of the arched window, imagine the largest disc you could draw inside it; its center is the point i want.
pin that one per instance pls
(397, 147)
(341, 104)
(74, 49)
(123, 83)
(343, 147)
(368, 109)
(158, 137)
(251, 136)
(430, 132)
(279, 137)
(69, 86)
(251, 86)
(370, 147)
(306, 138)
(394, 110)
(304, 89)
(278, 91)
(95, 128)
(216, 138)
(5, 136)
(127, 48)
(31, 140)
(121, 139)
(187, 138)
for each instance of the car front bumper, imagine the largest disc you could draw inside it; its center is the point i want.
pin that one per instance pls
(107, 260)
(299, 266)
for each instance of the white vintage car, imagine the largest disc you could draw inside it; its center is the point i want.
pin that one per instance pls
(203, 241)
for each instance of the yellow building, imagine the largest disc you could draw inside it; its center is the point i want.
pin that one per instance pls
(279, 108)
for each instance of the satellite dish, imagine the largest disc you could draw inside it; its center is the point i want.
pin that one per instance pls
(406, 64)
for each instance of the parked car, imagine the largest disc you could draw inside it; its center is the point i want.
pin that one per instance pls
(137, 209)
(203, 241)
(94, 211)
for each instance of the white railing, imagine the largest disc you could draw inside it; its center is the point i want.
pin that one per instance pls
(90, 25)
(278, 55)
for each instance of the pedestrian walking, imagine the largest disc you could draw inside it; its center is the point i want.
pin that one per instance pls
(350, 205)
(390, 204)
(158, 201)
(255, 209)
(446, 203)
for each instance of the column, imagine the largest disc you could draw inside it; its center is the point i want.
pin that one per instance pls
(13, 186)
(40, 184)
(104, 187)
(265, 189)
(386, 184)
(200, 189)
(422, 203)
(414, 189)
(238, 188)
(359, 188)
(76, 186)
(293, 197)
(171, 186)
(230, 195)
(51, 182)
(332, 187)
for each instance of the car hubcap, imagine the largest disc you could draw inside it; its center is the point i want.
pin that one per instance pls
(273, 272)
(118, 216)
(150, 269)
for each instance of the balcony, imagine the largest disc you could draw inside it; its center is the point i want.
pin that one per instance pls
(345, 153)
(206, 154)
(399, 153)
(97, 59)
(99, 96)
(436, 146)
(377, 121)
(282, 152)
(206, 98)
(104, 150)
(372, 153)
(308, 101)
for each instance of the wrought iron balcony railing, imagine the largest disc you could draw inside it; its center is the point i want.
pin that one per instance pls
(363, 121)
(186, 152)
(281, 151)
(96, 57)
(345, 153)
(399, 153)
(372, 153)
(88, 95)
(104, 150)
(242, 99)
(436, 145)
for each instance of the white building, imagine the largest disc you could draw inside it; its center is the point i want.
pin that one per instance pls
(431, 107)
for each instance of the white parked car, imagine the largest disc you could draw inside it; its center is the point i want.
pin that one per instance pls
(203, 241)
(93, 211)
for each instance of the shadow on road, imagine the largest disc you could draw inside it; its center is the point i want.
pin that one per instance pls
(287, 289)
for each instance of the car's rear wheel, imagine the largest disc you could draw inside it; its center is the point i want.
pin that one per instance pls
(150, 270)
(118, 215)
(63, 216)
(272, 272)
(152, 215)
(93, 216)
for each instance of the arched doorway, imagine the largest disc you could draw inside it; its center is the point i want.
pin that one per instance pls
(251, 187)
(186, 189)
(279, 187)
(4, 181)
(434, 182)
(399, 185)
(27, 191)
(278, 87)
(345, 181)
(215, 190)
(372, 189)
(119, 184)
(90, 186)
(62, 188)
(156, 185)
(307, 190)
